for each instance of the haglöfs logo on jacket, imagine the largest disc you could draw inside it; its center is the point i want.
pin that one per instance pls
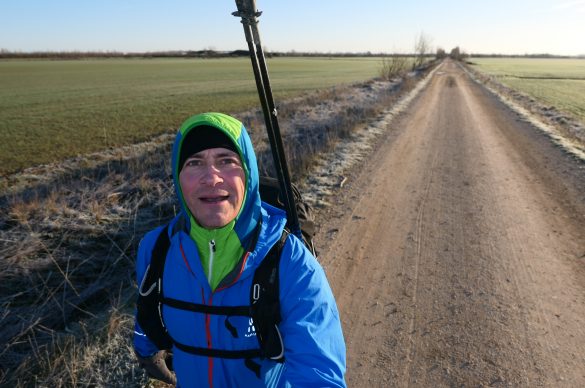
(251, 329)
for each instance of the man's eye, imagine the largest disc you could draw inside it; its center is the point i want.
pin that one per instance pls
(193, 163)
(229, 161)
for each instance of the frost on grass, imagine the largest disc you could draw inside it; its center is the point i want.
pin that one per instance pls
(67, 250)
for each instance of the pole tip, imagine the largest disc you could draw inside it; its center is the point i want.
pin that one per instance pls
(247, 7)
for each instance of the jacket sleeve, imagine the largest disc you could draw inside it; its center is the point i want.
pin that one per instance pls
(142, 345)
(311, 329)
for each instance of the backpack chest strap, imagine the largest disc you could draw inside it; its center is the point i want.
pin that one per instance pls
(244, 311)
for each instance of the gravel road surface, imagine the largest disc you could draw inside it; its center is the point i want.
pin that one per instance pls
(456, 250)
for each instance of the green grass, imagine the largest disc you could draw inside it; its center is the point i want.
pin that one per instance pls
(555, 82)
(52, 110)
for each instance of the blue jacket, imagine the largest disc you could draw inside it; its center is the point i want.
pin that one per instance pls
(310, 326)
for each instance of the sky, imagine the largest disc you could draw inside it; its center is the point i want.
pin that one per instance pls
(379, 26)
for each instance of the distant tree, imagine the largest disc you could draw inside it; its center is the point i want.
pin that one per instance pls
(422, 47)
(455, 53)
(441, 53)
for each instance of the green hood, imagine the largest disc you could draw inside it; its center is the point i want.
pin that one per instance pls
(228, 242)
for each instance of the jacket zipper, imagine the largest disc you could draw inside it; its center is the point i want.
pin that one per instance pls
(207, 316)
(211, 257)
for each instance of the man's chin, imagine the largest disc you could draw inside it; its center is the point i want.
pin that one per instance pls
(213, 222)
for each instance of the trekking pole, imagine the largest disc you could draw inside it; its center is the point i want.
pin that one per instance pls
(247, 11)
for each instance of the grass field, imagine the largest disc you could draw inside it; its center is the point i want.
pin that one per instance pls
(52, 110)
(556, 82)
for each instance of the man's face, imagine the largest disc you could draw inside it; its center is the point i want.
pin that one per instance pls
(213, 185)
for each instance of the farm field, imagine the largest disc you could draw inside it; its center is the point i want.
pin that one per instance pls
(51, 110)
(554, 81)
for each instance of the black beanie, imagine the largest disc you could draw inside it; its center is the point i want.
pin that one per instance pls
(202, 138)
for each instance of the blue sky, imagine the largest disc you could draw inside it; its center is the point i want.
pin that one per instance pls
(497, 26)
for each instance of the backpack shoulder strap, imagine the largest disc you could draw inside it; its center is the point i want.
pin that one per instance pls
(158, 257)
(148, 311)
(265, 302)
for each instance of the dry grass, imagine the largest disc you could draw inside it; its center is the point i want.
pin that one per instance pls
(68, 242)
(67, 257)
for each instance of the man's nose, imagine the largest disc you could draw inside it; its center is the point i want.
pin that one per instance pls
(211, 175)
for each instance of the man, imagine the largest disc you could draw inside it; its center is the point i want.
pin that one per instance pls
(222, 234)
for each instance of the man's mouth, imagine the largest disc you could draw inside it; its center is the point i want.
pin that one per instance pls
(214, 199)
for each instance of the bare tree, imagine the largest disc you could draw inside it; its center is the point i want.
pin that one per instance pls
(393, 66)
(422, 47)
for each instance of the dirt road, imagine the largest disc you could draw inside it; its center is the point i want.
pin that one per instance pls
(457, 250)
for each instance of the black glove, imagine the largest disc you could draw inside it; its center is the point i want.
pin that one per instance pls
(159, 366)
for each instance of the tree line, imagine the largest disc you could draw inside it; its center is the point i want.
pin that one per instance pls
(422, 51)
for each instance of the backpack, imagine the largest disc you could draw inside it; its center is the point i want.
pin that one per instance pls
(264, 308)
(270, 193)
